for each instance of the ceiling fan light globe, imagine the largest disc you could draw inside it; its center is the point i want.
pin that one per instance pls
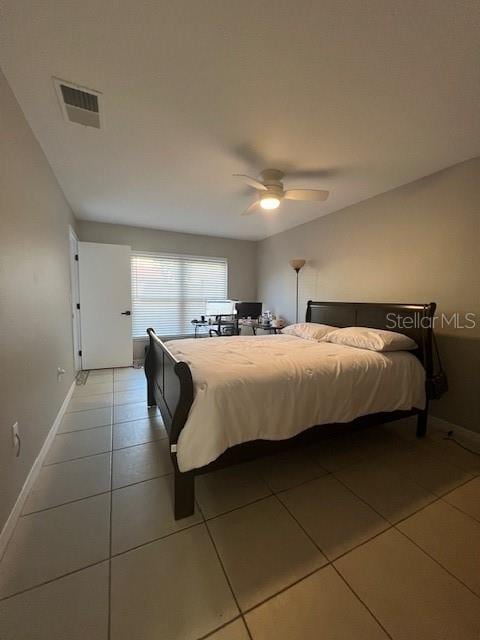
(269, 203)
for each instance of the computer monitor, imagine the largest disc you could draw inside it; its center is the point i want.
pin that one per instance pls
(249, 309)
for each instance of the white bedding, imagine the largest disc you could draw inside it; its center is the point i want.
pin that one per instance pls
(273, 387)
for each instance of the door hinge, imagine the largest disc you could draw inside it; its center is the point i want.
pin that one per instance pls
(78, 305)
(80, 352)
(76, 257)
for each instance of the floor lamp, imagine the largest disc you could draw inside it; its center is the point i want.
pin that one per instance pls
(296, 265)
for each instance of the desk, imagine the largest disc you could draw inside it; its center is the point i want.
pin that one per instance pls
(233, 326)
(218, 327)
(254, 326)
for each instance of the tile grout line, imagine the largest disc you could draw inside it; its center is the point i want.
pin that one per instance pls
(454, 506)
(360, 544)
(438, 562)
(349, 586)
(241, 507)
(392, 524)
(331, 563)
(106, 393)
(145, 417)
(289, 586)
(90, 455)
(99, 426)
(306, 576)
(50, 580)
(317, 546)
(442, 458)
(214, 631)
(109, 612)
(224, 513)
(275, 494)
(139, 444)
(103, 406)
(106, 406)
(206, 520)
(111, 423)
(328, 563)
(303, 483)
(389, 524)
(405, 535)
(154, 540)
(101, 493)
(286, 588)
(297, 484)
(63, 504)
(99, 453)
(437, 499)
(24, 515)
(197, 524)
(157, 539)
(78, 396)
(464, 482)
(131, 484)
(227, 578)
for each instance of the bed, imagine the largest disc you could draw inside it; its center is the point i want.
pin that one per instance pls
(228, 400)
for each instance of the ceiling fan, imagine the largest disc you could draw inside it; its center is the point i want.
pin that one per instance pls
(271, 192)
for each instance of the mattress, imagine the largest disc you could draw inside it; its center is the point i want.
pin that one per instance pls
(273, 387)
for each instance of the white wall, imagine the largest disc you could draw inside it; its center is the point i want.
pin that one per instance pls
(35, 314)
(417, 243)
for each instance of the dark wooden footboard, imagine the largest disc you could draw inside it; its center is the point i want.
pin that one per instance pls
(170, 387)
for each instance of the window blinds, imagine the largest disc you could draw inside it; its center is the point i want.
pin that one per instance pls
(168, 291)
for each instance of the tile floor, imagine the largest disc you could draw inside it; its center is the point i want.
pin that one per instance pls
(365, 535)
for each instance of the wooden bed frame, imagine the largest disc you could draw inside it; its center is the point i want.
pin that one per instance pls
(170, 385)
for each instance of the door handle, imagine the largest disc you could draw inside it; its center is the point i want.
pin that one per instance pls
(126, 313)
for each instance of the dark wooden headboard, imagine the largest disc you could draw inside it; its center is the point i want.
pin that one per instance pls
(413, 320)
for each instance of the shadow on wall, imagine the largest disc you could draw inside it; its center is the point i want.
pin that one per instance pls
(460, 355)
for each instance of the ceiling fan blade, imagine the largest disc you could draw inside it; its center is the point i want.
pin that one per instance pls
(252, 182)
(251, 209)
(306, 194)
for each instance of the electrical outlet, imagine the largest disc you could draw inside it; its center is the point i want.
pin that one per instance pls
(15, 434)
(16, 442)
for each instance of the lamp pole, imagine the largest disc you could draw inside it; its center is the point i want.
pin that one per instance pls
(296, 265)
(297, 269)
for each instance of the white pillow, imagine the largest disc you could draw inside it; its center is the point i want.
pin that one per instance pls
(308, 330)
(372, 339)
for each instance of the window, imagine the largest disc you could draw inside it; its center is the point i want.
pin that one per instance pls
(168, 291)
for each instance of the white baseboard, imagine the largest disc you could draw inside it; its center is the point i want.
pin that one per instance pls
(32, 475)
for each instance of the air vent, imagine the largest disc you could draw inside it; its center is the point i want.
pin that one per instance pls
(78, 104)
(80, 99)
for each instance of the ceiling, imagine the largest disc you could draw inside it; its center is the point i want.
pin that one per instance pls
(355, 96)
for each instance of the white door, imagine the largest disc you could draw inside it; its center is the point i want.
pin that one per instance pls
(105, 305)
(75, 299)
